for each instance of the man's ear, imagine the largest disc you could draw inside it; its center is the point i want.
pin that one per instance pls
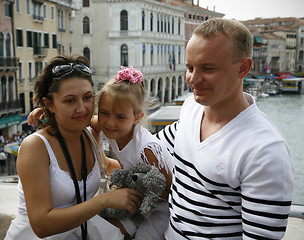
(48, 104)
(138, 117)
(245, 67)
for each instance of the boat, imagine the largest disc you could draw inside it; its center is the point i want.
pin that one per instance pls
(271, 92)
(292, 85)
(264, 95)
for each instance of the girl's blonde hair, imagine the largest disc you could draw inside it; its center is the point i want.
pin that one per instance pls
(125, 90)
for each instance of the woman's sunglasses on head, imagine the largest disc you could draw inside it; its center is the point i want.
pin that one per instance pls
(60, 70)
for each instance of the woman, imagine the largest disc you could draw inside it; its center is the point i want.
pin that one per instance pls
(51, 203)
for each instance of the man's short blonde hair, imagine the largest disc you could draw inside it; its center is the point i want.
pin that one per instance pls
(240, 37)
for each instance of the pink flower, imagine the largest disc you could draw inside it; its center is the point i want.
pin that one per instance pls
(130, 74)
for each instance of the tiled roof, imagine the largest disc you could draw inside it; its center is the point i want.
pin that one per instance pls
(282, 24)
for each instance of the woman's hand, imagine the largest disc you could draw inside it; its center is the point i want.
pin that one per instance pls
(122, 198)
(35, 116)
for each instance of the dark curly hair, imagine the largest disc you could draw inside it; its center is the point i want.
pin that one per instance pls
(47, 84)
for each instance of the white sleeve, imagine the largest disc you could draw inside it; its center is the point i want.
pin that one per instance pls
(267, 188)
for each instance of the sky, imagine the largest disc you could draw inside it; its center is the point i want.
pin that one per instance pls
(245, 10)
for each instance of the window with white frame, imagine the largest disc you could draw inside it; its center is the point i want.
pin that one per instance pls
(60, 21)
(52, 12)
(19, 37)
(17, 3)
(54, 41)
(86, 25)
(30, 72)
(123, 20)
(87, 53)
(28, 10)
(124, 55)
(7, 10)
(44, 11)
(8, 45)
(20, 75)
(37, 11)
(70, 22)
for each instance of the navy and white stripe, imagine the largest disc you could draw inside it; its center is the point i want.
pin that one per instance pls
(224, 188)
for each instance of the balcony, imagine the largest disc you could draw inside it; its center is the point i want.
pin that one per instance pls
(8, 63)
(10, 107)
(39, 52)
(38, 18)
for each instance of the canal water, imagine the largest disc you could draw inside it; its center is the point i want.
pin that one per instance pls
(286, 111)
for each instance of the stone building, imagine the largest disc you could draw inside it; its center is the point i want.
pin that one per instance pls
(146, 34)
(9, 105)
(42, 31)
(289, 29)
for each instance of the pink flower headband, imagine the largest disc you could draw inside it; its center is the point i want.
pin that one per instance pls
(130, 74)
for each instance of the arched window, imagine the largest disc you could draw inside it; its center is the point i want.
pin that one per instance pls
(165, 24)
(8, 45)
(143, 20)
(158, 23)
(86, 25)
(3, 89)
(123, 20)
(1, 45)
(124, 55)
(179, 26)
(11, 89)
(151, 22)
(87, 53)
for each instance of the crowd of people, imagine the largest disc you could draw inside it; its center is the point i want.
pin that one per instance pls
(4, 140)
(228, 170)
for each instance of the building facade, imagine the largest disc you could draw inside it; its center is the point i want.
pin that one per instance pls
(9, 104)
(146, 34)
(275, 53)
(42, 31)
(300, 50)
(288, 29)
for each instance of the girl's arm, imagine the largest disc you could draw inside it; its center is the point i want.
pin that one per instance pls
(33, 170)
(163, 168)
(37, 113)
(110, 163)
(94, 123)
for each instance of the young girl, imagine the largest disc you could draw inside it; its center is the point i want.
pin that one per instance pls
(120, 119)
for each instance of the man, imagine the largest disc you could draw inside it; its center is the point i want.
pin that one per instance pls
(233, 174)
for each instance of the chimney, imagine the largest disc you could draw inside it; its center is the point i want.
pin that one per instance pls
(197, 2)
(213, 8)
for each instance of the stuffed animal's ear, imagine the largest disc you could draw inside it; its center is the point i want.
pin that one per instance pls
(155, 181)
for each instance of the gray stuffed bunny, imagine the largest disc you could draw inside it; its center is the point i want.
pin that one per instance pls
(147, 179)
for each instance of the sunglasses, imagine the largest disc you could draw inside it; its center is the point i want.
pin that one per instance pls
(61, 70)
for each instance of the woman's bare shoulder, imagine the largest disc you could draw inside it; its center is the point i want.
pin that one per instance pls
(33, 142)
